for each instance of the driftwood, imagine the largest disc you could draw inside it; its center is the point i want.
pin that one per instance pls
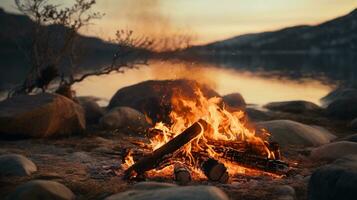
(154, 159)
(182, 174)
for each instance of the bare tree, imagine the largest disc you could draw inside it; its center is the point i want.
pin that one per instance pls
(54, 41)
(54, 33)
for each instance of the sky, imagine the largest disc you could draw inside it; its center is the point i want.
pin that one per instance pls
(206, 20)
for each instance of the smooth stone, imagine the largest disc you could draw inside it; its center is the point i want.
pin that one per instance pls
(337, 180)
(345, 109)
(234, 100)
(285, 190)
(353, 124)
(257, 115)
(124, 117)
(16, 165)
(333, 151)
(93, 112)
(339, 93)
(287, 132)
(40, 116)
(350, 138)
(293, 106)
(150, 185)
(173, 193)
(42, 190)
(154, 97)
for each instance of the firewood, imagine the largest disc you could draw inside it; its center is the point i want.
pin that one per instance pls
(154, 159)
(182, 174)
(215, 170)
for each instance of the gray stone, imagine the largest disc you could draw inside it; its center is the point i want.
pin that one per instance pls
(353, 124)
(40, 189)
(41, 115)
(16, 165)
(173, 193)
(148, 185)
(234, 100)
(154, 97)
(124, 117)
(293, 106)
(345, 108)
(350, 138)
(339, 93)
(334, 150)
(337, 180)
(257, 115)
(285, 190)
(287, 132)
(93, 112)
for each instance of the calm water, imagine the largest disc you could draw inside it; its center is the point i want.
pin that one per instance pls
(257, 88)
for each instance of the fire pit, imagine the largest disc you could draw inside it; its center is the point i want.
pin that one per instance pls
(205, 139)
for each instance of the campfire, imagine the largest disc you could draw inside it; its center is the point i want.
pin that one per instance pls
(205, 139)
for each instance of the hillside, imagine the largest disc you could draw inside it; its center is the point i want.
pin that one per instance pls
(337, 35)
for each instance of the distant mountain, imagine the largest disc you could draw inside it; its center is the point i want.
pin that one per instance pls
(15, 38)
(16, 30)
(337, 35)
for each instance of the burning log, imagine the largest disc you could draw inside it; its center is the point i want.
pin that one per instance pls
(182, 174)
(253, 161)
(215, 171)
(154, 159)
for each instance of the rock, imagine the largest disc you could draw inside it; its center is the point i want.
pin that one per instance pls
(40, 189)
(177, 193)
(337, 180)
(154, 97)
(353, 124)
(41, 115)
(343, 108)
(124, 117)
(350, 138)
(234, 100)
(285, 192)
(339, 93)
(293, 106)
(287, 132)
(149, 185)
(257, 115)
(16, 165)
(334, 150)
(93, 112)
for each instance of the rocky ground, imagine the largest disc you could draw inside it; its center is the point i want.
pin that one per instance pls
(53, 163)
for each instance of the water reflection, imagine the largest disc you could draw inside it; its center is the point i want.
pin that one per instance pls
(255, 87)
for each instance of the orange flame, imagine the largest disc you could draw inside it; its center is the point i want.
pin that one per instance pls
(224, 126)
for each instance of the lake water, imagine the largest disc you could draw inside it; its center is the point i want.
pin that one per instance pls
(256, 88)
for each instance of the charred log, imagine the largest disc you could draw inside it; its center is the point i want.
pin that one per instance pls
(182, 174)
(154, 159)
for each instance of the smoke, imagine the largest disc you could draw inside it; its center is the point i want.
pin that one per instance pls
(150, 18)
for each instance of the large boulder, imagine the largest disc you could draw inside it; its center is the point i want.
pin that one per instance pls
(93, 112)
(287, 132)
(40, 189)
(124, 118)
(337, 180)
(334, 150)
(293, 106)
(339, 93)
(41, 115)
(234, 100)
(176, 193)
(16, 165)
(154, 97)
(344, 108)
(350, 138)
